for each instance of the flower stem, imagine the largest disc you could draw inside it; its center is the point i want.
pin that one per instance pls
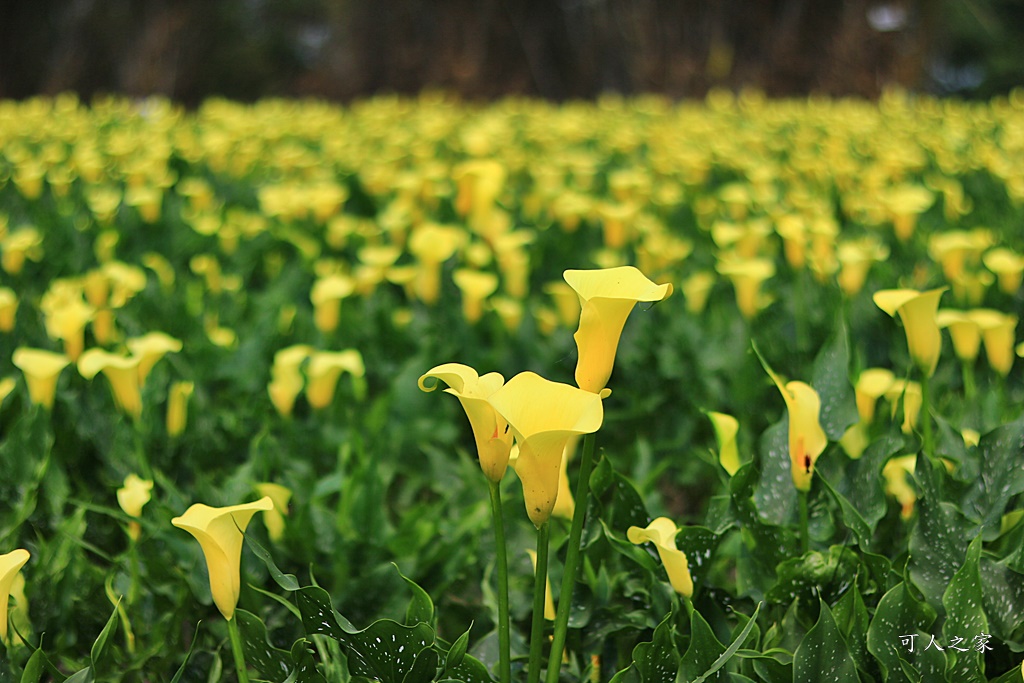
(968, 375)
(236, 650)
(572, 560)
(804, 535)
(926, 418)
(540, 585)
(504, 647)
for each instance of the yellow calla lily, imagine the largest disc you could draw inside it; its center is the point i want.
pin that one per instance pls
(132, 497)
(7, 385)
(726, 427)
(150, 348)
(607, 297)
(326, 295)
(1008, 267)
(220, 534)
(177, 407)
(490, 430)
(895, 473)
(917, 310)
(662, 533)
(323, 371)
(963, 330)
(10, 565)
(870, 386)
(543, 416)
(274, 519)
(998, 332)
(41, 369)
(122, 372)
(910, 393)
(565, 505)
(475, 286)
(8, 308)
(807, 439)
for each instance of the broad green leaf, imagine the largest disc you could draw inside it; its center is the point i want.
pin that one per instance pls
(82, 676)
(699, 544)
(658, 661)
(1001, 476)
(815, 573)
(621, 506)
(305, 670)
(901, 616)
(730, 651)
(823, 654)
(965, 617)
(271, 662)
(703, 651)
(285, 581)
(457, 652)
(421, 607)
(831, 379)
(96, 652)
(470, 670)
(851, 615)
(1003, 590)
(776, 496)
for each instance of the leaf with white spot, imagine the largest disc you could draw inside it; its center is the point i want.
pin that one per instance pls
(823, 654)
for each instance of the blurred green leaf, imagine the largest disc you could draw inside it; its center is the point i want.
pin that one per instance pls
(1000, 479)
(286, 581)
(830, 377)
(823, 654)
(421, 607)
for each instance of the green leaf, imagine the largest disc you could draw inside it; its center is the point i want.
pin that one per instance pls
(470, 670)
(385, 650)
(965, 617)
(1000, 479)
(1003, 590)
(703, 651)
(188, 655)
(730, 651)
(271, 662)
(823, 654)
(776, 496)
(831, 379)
(457, 652)
(699, 545)
(658, 660)
(285, 581)
(83, 676)
(305, 670)
(421, 607)
(815, 573)
(899, 615)
(851, 615)
(34, 668)
(101, 640)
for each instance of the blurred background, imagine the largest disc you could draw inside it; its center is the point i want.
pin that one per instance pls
(556, 49)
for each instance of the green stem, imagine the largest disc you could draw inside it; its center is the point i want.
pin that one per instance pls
(236, 650)
(572, 560)
(504, 640)
(970, 389)
(133, 564)
(926, 418)
(804, 535)
(540, 584)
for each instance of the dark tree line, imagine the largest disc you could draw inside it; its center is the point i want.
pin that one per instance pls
(559, 49)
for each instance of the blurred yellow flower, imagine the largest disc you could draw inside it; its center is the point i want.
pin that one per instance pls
(917, 310)
(543, 416)
(149, 349)
(747, 276)
(490, 430)
(10, 565)
(1008, 266)
(326, 297)
(909, 393)
(963, 330)
(273, 519)
(607, 297)
(662, 532)
(220, 534)
(475, 286)
(895, 473)
(122, 372)
(726, 427)
(177, 407)
(132, 497)
(323, 371)
(41, 369)
(998, 332)
(8, 308)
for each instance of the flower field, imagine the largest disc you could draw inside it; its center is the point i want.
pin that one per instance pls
(754, 365)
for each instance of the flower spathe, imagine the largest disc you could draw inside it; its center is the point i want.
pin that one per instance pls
(726, 427)
(662, 533)
(918, 312)
(807, 439)
(10, 565)
(274, 519)
(123, 374)
(490, 430)
(132, 497)
(607, 297)
(220, 534)
(543, 415)
(41, 369)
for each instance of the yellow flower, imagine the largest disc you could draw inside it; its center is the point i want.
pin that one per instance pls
(565, 505)
(323, 371)
(177, 407)
(490, 430)
(432, 245)
(917, 310)
(7, 385)
(871, 385)
(326, 296)
(549, 603)
(10, 565)
(910, 393)
(895, 473)
(274, 519)
(122, 372)
(285, 378)
(747, 276)
(1008, 267)
(607, 298)
(8, 308)
(662, 532)
(132, 497)
(696, 290)
(220, 534)
(475, 286)
(41, 369)
(543, 416)
(807, 439)
(66, 317)
(964, 331)
(726, 427)
(149, 349)
(998, 331)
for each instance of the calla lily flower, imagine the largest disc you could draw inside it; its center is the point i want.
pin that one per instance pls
(910, 393)
(895, 473)
(662, 533)
(177, 407)
(41, 369)
(998, 331)
(66, 317)
(543, 416)
(607, 297)
(8, 308)
(149, 349)
(10, 565)
(123, 374)
(220, 534)
(1008, 267)
(326, 297)
(747, 276)
(274, 519)
(475, 286)
(490, 430)
(565, 505)
(323, 371)
(917, 310)
(871, 385)
(964, 331)
(807, 439)
(696, 290)
(132, 497)
(7, 385)
(726, 428)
